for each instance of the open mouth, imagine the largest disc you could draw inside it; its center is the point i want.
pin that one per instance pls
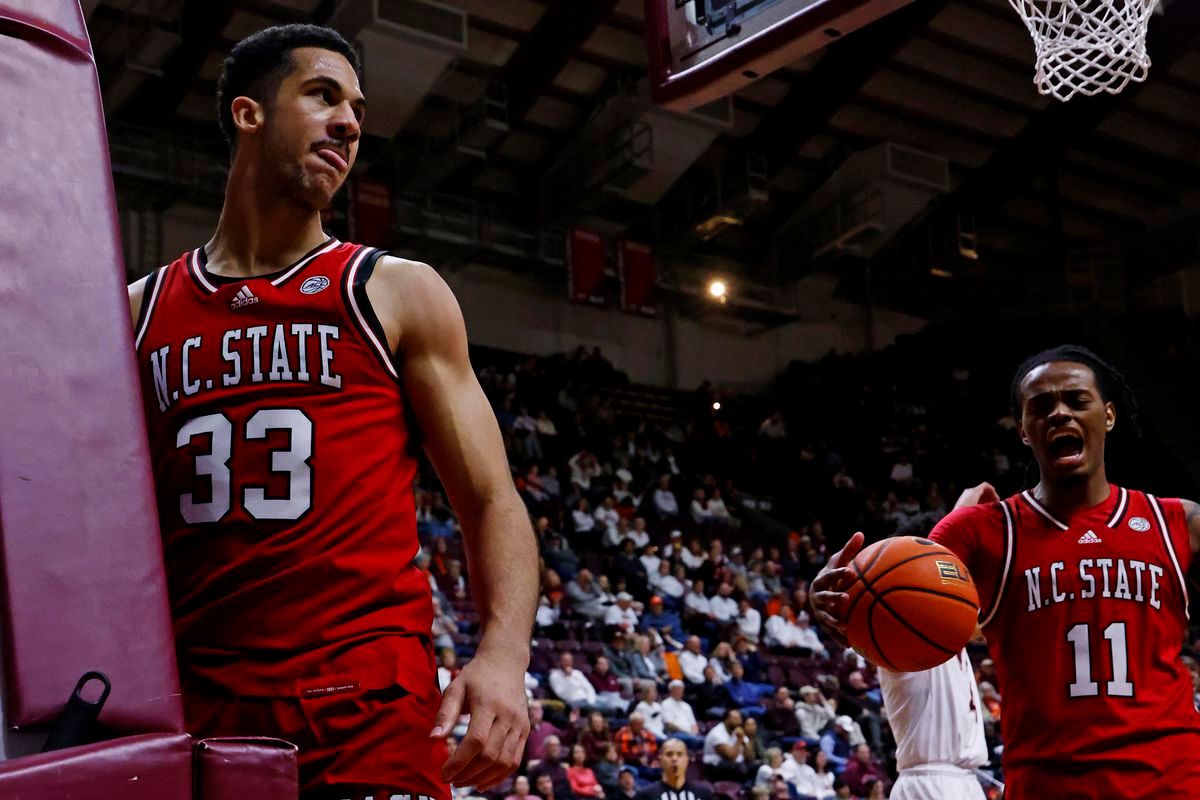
(1066, 449)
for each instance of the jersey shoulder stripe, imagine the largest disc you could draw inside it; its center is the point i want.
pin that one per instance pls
(150, 293)
(1010, 546)
(358, 306)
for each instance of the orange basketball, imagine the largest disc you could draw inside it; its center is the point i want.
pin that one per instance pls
(913, 606)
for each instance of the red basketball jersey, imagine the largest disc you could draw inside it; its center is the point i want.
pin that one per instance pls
(1085, 618)
(281, 451)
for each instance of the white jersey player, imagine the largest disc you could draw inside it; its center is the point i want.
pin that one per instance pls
(937, 719)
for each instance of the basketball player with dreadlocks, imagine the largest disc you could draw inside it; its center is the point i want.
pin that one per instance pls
(1082, 598)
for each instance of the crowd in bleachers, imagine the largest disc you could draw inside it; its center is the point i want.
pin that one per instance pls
(674, 602)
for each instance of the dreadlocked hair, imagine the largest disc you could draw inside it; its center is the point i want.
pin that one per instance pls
(1111, 383)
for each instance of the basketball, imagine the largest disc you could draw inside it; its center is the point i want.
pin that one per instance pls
(913, 606)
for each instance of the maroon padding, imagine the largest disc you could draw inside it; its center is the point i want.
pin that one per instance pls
(82, 562)
(251, 767)
(147, 767)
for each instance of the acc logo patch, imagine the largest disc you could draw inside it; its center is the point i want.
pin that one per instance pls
(314, 285)
(1139, 524)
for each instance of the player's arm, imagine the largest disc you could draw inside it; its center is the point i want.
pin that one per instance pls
(1192, 515)
(425, 330)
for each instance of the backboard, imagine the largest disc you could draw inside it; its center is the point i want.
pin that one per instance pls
(700, 50)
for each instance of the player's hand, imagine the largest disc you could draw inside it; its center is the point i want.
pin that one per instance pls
(978, 495)
(827, 595)
(492, 691)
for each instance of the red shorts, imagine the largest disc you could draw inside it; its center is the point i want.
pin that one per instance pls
(356, 739)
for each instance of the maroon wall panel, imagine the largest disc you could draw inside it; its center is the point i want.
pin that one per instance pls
(147, 767)
(83, 579)
(251, 767)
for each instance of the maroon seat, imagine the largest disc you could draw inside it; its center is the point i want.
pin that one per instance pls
(83, 578)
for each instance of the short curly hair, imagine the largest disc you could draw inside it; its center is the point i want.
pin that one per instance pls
(258, 64)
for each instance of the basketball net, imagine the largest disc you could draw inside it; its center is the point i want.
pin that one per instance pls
(1087, 46)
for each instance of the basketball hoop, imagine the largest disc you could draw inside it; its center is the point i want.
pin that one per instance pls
(1087, 46)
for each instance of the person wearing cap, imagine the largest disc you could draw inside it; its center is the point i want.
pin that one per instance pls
(622, 615)
(674, 784)
(667, 623)
(679, 720)
(836, 742)
(814, 712)
(674, 544)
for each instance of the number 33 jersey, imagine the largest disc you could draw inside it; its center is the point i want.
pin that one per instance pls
(1085, 618)
(283, 468)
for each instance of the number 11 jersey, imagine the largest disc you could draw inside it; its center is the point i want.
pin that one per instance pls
(1085, 618)
(281, 449)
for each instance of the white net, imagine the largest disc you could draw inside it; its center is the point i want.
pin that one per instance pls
(1087, 46)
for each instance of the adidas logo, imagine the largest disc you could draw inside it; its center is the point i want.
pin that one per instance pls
(1090, 538)
(244, 297)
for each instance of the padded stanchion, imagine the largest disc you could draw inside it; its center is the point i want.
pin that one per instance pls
(147, 767)
(232, 769)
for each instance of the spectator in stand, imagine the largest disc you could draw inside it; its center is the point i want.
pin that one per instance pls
(697, 609)
(874, 789)
(771, 768)
(582, 520)
(679, 720)
(749, 621)
(773, 427)
(549, 613)
(524, 427)
(580, 777)
(692, 661)
(814, 712)
(623, 615)
(693, 556)
(444, 627)
(628, 565)
(595, 737)
(449, 669)
(641, 537)
(540, 729)
(558, 555)
(607, 518)
(584, 468)
(587, 599)
(710, 697)
(608, 688)
(637, 746)
(699, 508)
(609, 769)
(861, 769)
(718, 512)
(755, 746)
(520, 789)
(781, 714)
(665, 503)
(861, 703)
(454, 585)
(746, 652)
(674, 545)
(674, 784)
(647, 666)
(649, 557)
(815, 779)
(835, 742)
(722, 605)
(544, 787)
(724, 751)
(667, 623)
(570, 685)
(746, 696)
(722, 660)
(651, 711)
(790, 631)
(551, 766)
(668, 585)
(626, 786)
(902, 472)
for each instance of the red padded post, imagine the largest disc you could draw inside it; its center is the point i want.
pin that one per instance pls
(257, 767)
(146, 767)
(84, 587)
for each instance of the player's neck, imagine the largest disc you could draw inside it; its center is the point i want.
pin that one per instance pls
(1064, 498)
(260, 232)
(675, 781)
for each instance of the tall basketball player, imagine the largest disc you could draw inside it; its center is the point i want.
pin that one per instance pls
(1083, 600)
(288, 379)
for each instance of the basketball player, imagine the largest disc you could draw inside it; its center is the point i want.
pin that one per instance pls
(1083, 600)
(937, 719)
(288, 378)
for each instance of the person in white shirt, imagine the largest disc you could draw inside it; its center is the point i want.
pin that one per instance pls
(652, 710)
(771, 768)
(786, 630)
(667, 584)
(696, 601)
(813, 712)
(664, 499)
(717, 509)
(584, 522)
(722, 606)
(693, 557)
(649, 556)
(692, 661)
(679, 720)
(698, 508)
(607, 517)
(937, 719)
(749, 620)
(725, 748)
(640, 536)
(622, 615)
(571, 685)
(813, 777)
(674, 545)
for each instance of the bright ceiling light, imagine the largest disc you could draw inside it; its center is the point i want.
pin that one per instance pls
(717, 289)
